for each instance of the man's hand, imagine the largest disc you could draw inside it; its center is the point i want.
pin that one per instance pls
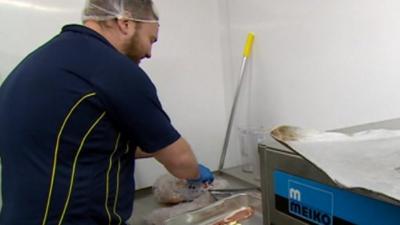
(205, 177)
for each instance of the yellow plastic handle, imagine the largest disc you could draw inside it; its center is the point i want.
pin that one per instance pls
(249, 44)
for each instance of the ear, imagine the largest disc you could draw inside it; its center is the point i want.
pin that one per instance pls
(125, 26)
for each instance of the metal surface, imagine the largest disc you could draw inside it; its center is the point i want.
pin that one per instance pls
(219, 194)
(232, 115)
(238, 173)
(221, 209)
(386, 124)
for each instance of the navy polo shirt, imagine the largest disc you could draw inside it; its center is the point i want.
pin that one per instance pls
(71, 116)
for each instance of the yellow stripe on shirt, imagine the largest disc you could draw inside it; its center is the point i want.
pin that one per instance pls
(108, 178)
(71, 184)
(117, 193)
(44, 221)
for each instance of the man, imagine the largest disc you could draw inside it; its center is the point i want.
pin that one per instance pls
(74, 115)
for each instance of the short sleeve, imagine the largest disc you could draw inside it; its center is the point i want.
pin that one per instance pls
(131, 98)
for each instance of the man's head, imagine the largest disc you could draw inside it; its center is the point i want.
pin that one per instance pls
(130, 25)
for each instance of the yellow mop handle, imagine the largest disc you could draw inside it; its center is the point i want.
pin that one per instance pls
(249, 44)
(246, 54)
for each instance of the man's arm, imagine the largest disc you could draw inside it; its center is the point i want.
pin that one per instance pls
(139, 154)
(179, 160)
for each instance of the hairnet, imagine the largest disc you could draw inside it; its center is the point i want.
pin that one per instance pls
(136, 10)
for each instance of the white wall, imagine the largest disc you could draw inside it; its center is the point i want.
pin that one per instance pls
(188, 71)
(320, 64)
(27, 24)
(186, 66)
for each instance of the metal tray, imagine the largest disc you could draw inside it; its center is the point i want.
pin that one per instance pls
(220, 209)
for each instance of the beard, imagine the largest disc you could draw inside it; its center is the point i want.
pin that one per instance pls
(133, 49)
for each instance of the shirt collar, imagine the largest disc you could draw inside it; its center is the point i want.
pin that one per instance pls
(86, 31)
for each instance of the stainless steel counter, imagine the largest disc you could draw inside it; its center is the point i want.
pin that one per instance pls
(145, 202)
(237, 173)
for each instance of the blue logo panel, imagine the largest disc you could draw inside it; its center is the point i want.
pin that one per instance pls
(301, 202)
(322, 204)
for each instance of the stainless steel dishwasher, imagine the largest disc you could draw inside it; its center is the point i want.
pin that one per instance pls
(295, 192)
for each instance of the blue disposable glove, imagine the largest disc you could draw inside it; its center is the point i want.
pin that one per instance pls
(205, 177)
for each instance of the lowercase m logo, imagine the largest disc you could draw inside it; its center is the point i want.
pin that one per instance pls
(294, 194)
